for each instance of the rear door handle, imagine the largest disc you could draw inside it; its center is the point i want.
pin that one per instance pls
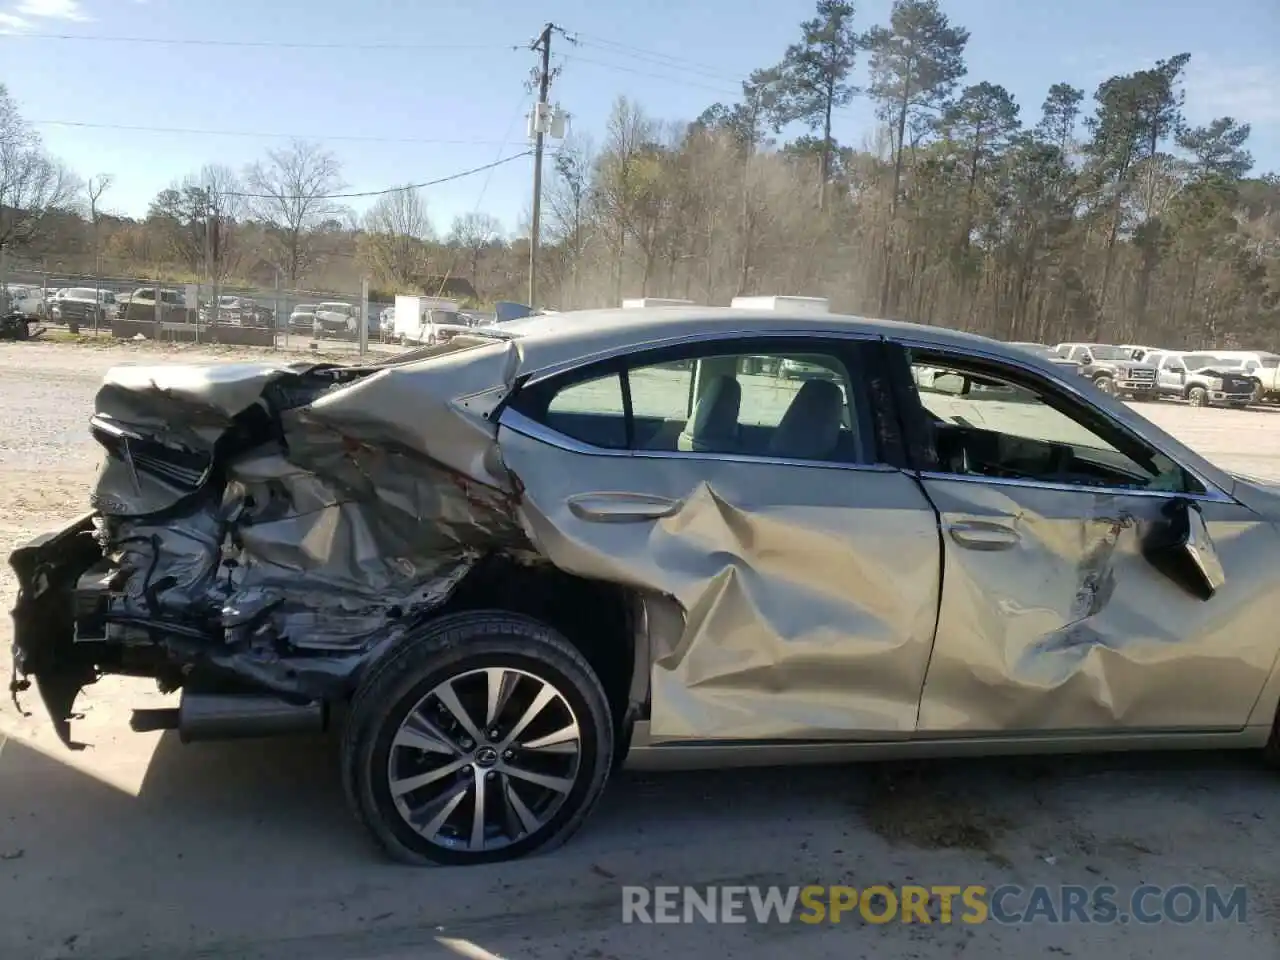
(621, 507)
(983, 535)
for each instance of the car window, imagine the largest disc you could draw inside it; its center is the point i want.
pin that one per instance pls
(782, 406)
(1269, 363)
(591, 411)
(988, 426)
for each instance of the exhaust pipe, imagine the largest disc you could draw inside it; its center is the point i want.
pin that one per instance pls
(215, 716)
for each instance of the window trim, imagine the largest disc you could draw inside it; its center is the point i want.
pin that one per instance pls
(848, 349)
(526, 426)
(1213, 492)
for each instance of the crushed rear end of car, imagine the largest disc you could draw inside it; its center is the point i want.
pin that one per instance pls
(260, 532)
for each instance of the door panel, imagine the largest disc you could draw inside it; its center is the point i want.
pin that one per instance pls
(810, 592)
(1052, 619)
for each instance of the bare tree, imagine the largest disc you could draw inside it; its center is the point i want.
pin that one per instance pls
(568, 203)
(94, 189)
(291, 191)
(471, 233)
(32, 185)
(397, 230)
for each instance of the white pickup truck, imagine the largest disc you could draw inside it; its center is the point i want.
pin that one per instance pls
(1202, 379)
(1262, 367)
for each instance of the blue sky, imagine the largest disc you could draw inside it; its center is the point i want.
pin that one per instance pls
(452, 96)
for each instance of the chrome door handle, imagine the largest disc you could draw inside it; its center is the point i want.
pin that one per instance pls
(621, 507)
(983, 535)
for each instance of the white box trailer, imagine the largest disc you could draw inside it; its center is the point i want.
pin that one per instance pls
(638, 303)
(789, 304)
(419, 320)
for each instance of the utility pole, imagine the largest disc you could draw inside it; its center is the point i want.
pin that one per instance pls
(543, 43)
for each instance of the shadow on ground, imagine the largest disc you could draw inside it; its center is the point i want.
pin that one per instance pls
(246, 849)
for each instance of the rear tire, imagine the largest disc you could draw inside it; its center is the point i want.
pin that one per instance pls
(404, 726)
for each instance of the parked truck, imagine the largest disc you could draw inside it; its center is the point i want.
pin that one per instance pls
(1202, 379)
(1260, 366)
(426, 321)
(1112, 369)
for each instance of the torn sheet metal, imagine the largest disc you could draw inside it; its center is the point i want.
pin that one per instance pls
(810, 593)
(340, 506)
(1053, 620)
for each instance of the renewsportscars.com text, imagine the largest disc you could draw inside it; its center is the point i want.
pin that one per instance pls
(944, 903)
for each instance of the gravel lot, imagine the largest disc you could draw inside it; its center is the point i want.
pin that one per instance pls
(140, 848)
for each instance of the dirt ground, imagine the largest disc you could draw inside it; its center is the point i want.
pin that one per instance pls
(141, 848)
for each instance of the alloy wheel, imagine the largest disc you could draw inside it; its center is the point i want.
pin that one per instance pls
(486, 758)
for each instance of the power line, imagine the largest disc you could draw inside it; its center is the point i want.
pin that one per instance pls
(654, 57)
(270, 44)
(683, 81)
(191, 131)
(378, 193)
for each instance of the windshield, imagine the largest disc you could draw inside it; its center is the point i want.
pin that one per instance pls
(1104, 352)
(1198, 361)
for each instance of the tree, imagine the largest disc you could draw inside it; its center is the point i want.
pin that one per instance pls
(1135, 114)
(749, 121)
(1218, 149)
(980, 122)
(1059, 115)
(95, 187)
(813, 77)
(471, 233)
(397, 231)
(291, 191)
(915, 65)
(568, 205)
(33, 186)
(198, 219)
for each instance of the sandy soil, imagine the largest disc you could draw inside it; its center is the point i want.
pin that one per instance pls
(140, 848)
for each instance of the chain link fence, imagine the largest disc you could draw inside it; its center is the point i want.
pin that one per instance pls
(127, 307)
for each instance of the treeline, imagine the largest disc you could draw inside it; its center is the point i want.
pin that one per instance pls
(281, 221)
(1094, 214)
(1098, 216)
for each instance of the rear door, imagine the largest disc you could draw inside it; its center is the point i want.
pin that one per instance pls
(807, 566)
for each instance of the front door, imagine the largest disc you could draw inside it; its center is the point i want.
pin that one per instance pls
(741, 480)
(1053, 619)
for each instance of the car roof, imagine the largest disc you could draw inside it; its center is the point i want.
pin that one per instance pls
(550, 340)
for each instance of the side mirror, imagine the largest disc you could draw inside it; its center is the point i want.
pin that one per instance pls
(955, 384)
(1086, 358)
(1178, 545)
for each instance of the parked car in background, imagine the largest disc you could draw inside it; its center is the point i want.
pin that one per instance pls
(84, 305)
(26, 300)
(140, 305)
(1260, 366)
(1202, 379)
(302, 319)
(1112, 369)
(1139, 352)
(239, 311)
(511, 567)
(1046, 352)
(333, 318)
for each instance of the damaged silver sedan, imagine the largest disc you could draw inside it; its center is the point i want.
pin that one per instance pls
(659, 537)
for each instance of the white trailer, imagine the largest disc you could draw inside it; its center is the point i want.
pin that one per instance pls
(423, 320)
(639, 303)
(788, 304)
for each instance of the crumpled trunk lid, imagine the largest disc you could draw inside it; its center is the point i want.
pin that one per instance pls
(304, 510)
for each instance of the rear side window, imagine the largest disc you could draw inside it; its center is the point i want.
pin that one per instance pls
(779, 405)
(591, 411)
